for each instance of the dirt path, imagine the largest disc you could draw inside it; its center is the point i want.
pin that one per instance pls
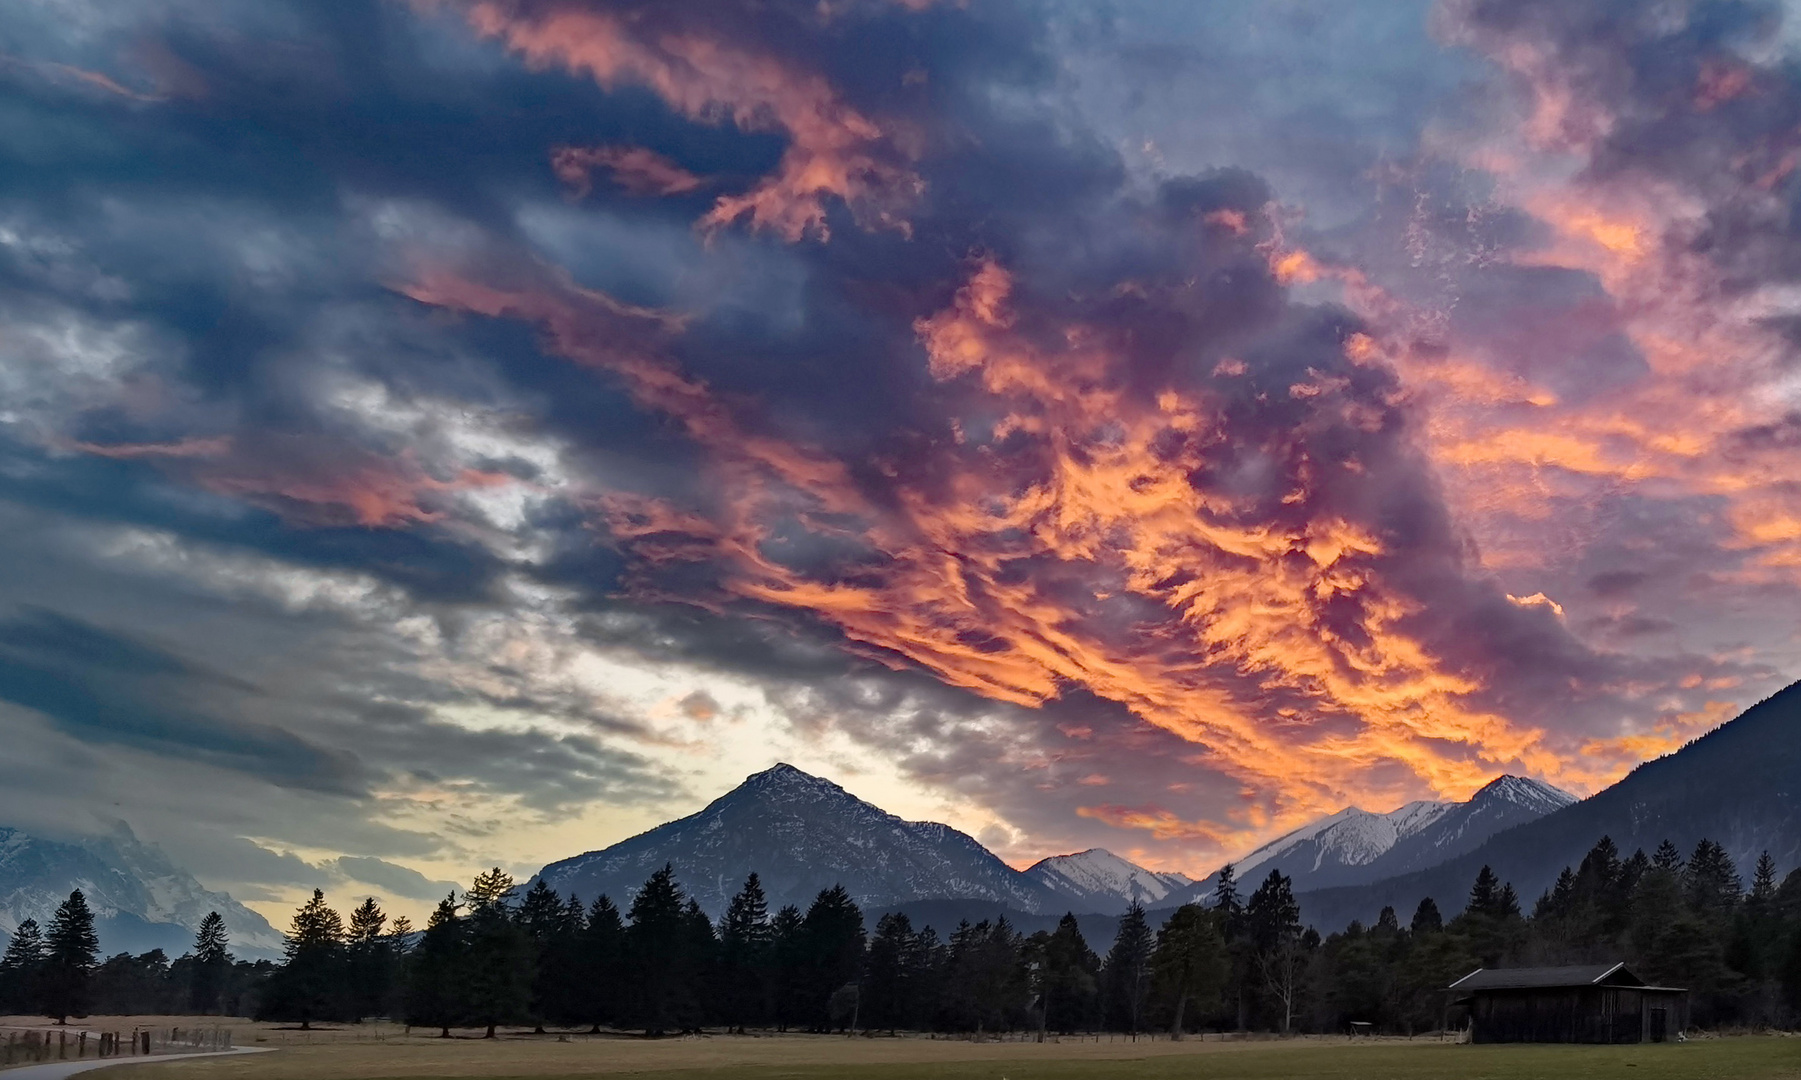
(59, 1070)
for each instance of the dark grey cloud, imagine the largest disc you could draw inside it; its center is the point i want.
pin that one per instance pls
(267, 517)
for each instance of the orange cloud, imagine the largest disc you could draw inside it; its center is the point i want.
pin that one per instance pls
(834, 150)
(637, 170)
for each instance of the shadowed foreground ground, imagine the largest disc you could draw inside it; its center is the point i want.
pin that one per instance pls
(381, 1052)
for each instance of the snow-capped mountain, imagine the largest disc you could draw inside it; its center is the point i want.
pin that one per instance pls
(1355, 846)
(141, 900)
(800, 834)
(1099, 881)
(1739, 786)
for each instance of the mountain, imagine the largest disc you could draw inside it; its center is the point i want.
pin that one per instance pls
(1739, 785)
(1354, 847)
(1101, 882)
(801, 834)
(141, 900)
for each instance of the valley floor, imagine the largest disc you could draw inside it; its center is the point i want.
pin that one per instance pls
(386, 1052)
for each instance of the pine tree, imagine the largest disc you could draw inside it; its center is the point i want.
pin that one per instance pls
(1667, 857)
(436, 971)
(499, 955)
(311, 984)
(1273, 922)
(212, 964)
(663, 994)
(787, 965)
(833, 931)
(1071, 985)
(888, 975)
(601, 952)
(1127, 970)
(71, 950)
(541, 916)
(1189, 961)
(1426, 918)
(1763, 880)
(744, 937)
(21, 969)
(370, 959)
(1714, 887)
(1485, 894)
(1226, 900)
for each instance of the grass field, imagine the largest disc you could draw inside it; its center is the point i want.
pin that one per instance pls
(381, 1052)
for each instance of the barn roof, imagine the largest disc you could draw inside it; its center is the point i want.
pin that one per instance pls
(1547, 977)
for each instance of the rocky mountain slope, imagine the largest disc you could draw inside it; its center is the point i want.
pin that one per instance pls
(141, 899)
(1355, 846)
(801, 834)
(1739, 785)
(1099, 881)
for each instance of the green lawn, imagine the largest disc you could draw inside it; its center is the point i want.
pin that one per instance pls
(1753, 1058)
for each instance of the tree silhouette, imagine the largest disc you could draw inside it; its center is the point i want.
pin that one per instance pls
(212, 963)
(1189, 962)
(21, 968)
(71, 949)
(1126, 972)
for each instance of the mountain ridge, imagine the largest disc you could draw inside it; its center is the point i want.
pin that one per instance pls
(1738, 785)
(1355, 846)
(141, 899)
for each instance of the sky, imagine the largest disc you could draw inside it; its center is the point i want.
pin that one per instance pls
(466, 432)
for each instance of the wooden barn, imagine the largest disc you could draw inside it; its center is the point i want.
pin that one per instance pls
(1599, 1003)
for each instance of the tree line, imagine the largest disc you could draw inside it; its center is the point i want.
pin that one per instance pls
(57, 972)
(492, 957)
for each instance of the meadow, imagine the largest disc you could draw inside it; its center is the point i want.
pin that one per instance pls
(387, 1052)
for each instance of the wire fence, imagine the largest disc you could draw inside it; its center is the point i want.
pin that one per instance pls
(30, 1046)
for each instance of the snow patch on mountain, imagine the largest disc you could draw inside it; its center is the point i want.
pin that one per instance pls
(140, 898)
(1355, 846)
(802, 833)
(1099, 881)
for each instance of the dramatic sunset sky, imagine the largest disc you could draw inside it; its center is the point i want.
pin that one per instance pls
(460, 432)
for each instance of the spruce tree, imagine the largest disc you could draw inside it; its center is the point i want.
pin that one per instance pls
(437, 971)
(370, 960)
(499, 958)
(21, 969)
(834, 944)
(1273, 925)
(1763, 880)
(602, 959)
(1189, 963)
(1485, 894)
(212, 964)
(1127, 970)
(887, 996)
(744, 938)
(1713, 885)
(1667, 857)
(663, 996)
(787, 966)
(1071, 984)
(542, 917)
(310, 986)
(71, 950)
(1426, 918)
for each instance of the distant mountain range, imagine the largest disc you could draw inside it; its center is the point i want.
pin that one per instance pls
(1739, 785)
(1354, 847)
(802, 833)
(1099, 881)
(141, 900)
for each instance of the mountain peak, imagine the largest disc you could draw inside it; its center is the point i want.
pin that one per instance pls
(801, 833)
(1104, 881)
(786, 778)
(1525, 791)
